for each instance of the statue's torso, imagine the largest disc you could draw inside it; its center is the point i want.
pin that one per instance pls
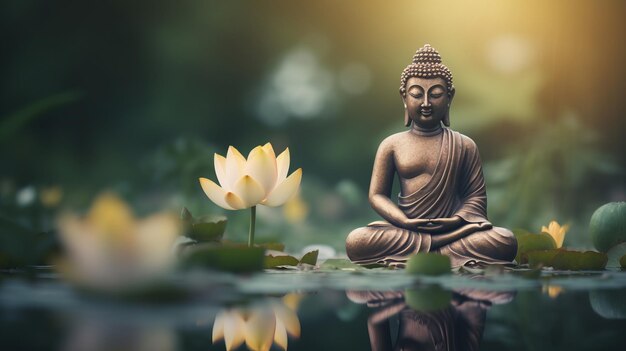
(415, 159)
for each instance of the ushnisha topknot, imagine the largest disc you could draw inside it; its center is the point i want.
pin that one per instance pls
(426, 64)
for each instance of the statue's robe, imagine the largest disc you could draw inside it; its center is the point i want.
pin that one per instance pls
(457, 187)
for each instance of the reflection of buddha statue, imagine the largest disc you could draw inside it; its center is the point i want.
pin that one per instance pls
(459, 326)
(442, 206)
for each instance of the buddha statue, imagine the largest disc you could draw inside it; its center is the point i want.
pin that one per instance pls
(442, 205)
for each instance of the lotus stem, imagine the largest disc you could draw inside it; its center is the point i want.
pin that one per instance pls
(252, 225)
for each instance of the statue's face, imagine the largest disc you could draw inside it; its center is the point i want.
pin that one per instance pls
(427, 101)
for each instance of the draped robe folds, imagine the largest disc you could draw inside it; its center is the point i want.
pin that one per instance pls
(457, 187)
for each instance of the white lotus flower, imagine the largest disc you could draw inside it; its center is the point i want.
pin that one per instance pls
(259, 179)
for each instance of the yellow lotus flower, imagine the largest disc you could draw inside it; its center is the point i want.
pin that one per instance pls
(258, 326)
(259, 179)
(556, 231)
(109, 249)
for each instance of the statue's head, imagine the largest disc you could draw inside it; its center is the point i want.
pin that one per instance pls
(426, 89)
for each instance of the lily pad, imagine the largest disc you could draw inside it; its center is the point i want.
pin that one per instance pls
(226, 258)
(310, 257)
(568, 260)
(429, 264)
(340, 264)
(278, 261)
(527, 242)
(203, 229)
(429, 298)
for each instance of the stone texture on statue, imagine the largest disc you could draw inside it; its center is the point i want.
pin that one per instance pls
(442, 206)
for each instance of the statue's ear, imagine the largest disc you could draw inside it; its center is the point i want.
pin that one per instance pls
(407, 120)
(446, 117)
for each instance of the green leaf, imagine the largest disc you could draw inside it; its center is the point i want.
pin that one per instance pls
(17, 245)
(622, 262)
(340, 264)
(310, 257)
(527, 242)
(428, 264)
(278, 261)
(208, 228)
(429, 298)
(577, 261)
(568, 260)
(541, 258)
(225, 258)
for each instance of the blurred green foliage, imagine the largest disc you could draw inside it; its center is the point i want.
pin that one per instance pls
(136, 97)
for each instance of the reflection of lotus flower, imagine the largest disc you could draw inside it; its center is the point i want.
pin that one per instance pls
(258, 326)
(110, 249)
(245, 183)
(552, 290)
(556, 231)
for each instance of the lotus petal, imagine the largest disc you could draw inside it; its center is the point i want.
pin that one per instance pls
(269, 150)
(218, 326)
(235, 201)
(289, 319)
(235, 166)
(215, 193)
(261, 166)
(249, 191)
(219, 162)
(260, 328)
(284, 190)
(280, 335)
(234, 330)
(282, 164)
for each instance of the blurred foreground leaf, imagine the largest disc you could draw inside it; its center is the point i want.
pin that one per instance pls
(429, 298)
(429, 264)
(622, 262)
(568, 260)
(527, 241)
(21, 247)
(235, 259)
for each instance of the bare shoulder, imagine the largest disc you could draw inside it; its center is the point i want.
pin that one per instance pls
(390, 143)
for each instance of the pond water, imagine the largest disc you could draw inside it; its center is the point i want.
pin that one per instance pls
(324, 310)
